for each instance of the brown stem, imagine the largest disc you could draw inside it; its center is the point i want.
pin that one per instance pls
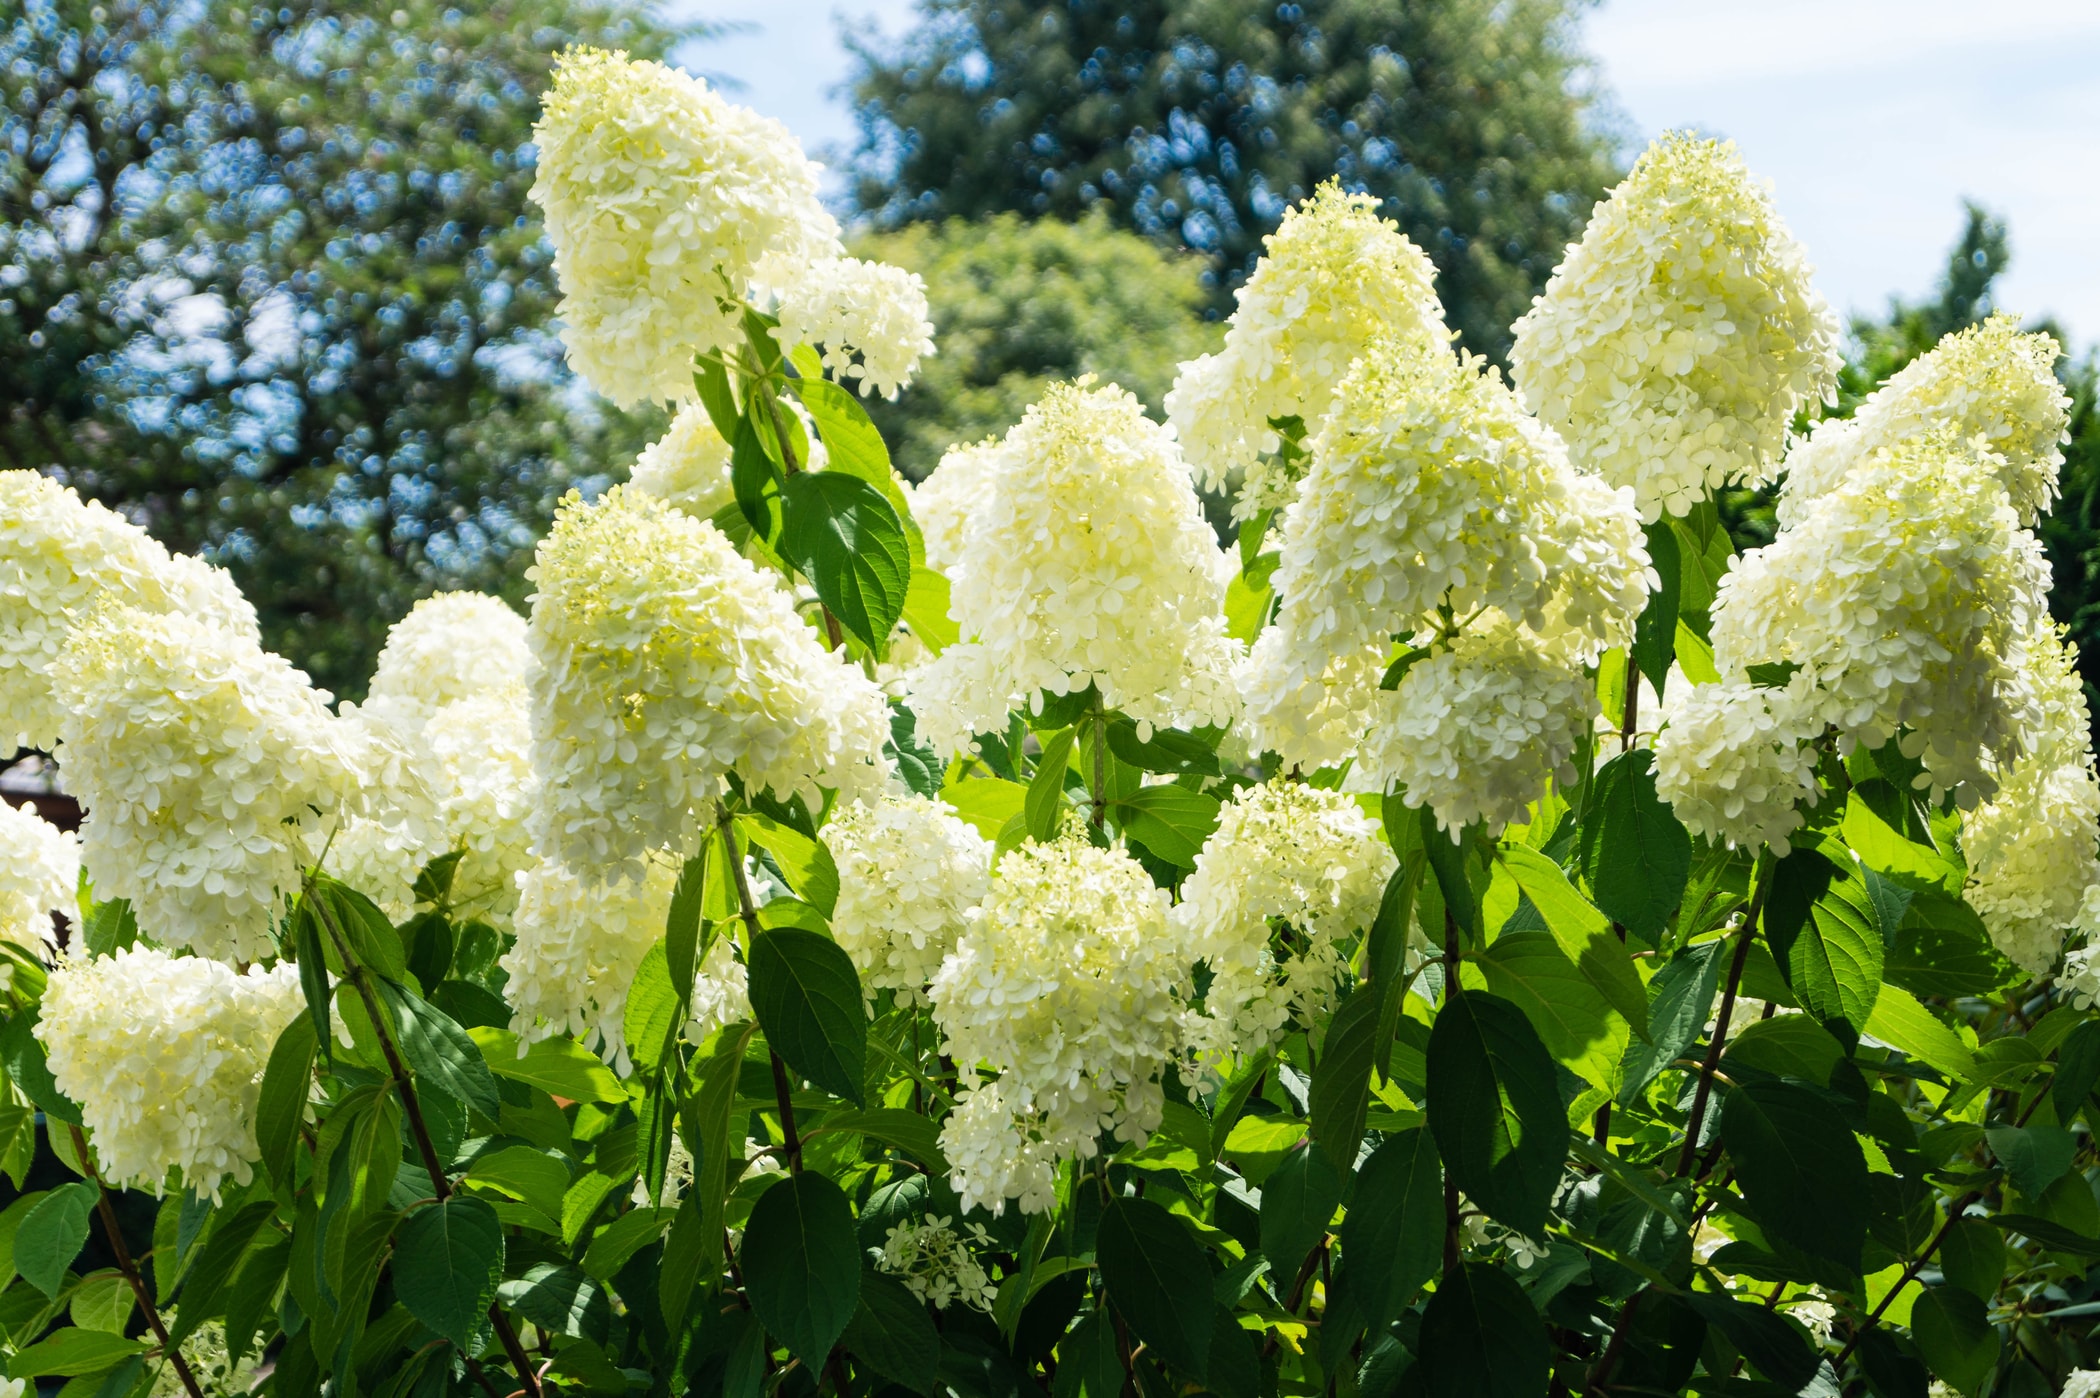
(1711, 1065)
(1632, 705)
(1451, 1219)
(1100, 772)
(782, 1089)
(130, 1268)
(404, 1087)
(1617, 1342)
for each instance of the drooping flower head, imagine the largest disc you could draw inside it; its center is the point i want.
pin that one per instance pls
(843, 306)
(1286, 854)
(1060, 1006)
(165, 1056)
(910, 871)
(663, 660)
(1674, 345)
(1088, 561)
(1989, 381)
(39, 871)
(61, 558)
(660, 199)
(206, 765)
(455, 645)
(688, 466)
(1333, 277)
(954, 494)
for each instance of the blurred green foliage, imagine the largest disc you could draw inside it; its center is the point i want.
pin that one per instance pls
(1018, 305)
(1197, 122)
(269, 283)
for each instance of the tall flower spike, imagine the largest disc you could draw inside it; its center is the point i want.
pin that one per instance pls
(165, 1055)
(205, 764)
(1288, 853)
(661, 199)
(1087, 562)
(1069, 985)
(1333, 277)
(39, 871)
(1988, 382)
(60, 559)
(1674, 345)
(663, 660)
(909, 873)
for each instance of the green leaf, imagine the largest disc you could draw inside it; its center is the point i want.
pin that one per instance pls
(851, 442)
(1792, 1046)
(1297, 1201)
(559, 1298)
(621, 1239)
(23, 1054)
(850, 543)
(711, 382)
(1767, 1339)
(986, 802)
(313, 974)
(1394, 1234)
(1045, 803)
(358, 921)
(2077, 1068)
(1171, 821)
(1800, 1168)
(2034, 1157)
(525, 1173)
(448, 1259)
(1341, 1084)
(51, 1234)
(927, 610)
(1087, 1363)
(1169, 751)
(1482, 1338)
(1656, 629)
(1955, 1336)
(806, 862)
(1635, 854)
(71, 1352)
(2053, 1237)
(1944, 951)
(1530, 970)
(10, 1223)
(440, 1052)
(281, 1105)
(1583, 932)
(652, 1009)
(916, 1136)
(1902, 1023)
(1683, 999)
(704, 1121)
(558, 1066)
(682, 948)
(891, 1333)
(753, 476)
(801, 1264)
(110, 926)
(1158, 1281)
(807, 997)
(1823, 936)
(1447, 860)
(1495, 1108)
(1972, 1257)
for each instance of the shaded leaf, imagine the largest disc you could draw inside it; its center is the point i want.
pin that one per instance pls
(801, 1263)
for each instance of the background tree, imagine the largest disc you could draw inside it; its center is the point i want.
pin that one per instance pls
(270, 287)
(1196, 122)
(1017, 305)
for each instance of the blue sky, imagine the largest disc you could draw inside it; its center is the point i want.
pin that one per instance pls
(1873, 118)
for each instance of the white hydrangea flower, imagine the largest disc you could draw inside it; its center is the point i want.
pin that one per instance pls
(1332, 277)
(61, 558)
(1902, 594)
(1432, 488)
(452, 646)
(1088, 561)
(1477, 729)
(206, 764)
(688, 466)
(661, 199)
(1070, 986)
(2081, 1383)
(938, 1264)
(1989, 381)
(1734, 760)
(165, 1055)
(1309, 720)
(957, 492)
(39, 873)
(1675, 343)
(909, 872)
(663, 660)
(2033, 849)
(579, 945)
(1287, 853)
(846, 306)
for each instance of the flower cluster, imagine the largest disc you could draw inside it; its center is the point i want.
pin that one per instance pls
(937, 1263)
(453, 646)
(1086, 561)
(1060, 1005)
(202, 761)
(61, 558)
(909, 873)
(957, 492)
(1333, 277)
(165, 1054)
(1675, 343)
(843, 305)
(39, 870)
(661, 199)
(688, 466)
(1733, 760)
(1290, 867)
(1989, 381)
(662, 661)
